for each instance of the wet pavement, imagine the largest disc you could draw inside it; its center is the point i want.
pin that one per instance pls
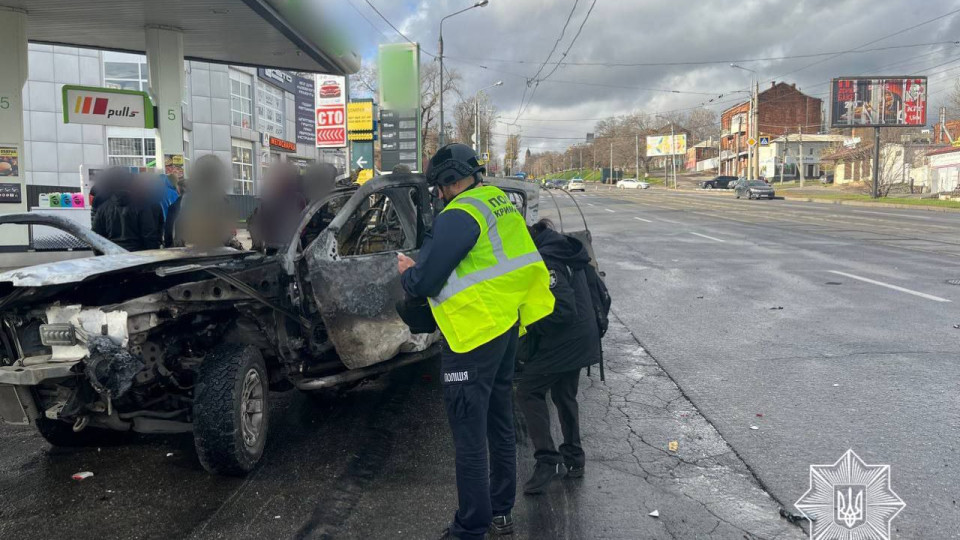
(377, 462)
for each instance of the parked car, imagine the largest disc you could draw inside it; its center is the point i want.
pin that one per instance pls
(185, 340)
(631, 183)
(555, 184)
(753, 189)
(719, 182)
(576, 184)
(826, 178)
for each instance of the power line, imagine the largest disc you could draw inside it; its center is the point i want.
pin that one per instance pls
(708, 62)
(572, 42)
(355, 8)
(559, 39)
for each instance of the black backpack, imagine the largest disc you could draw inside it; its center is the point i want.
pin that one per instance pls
(600, 298)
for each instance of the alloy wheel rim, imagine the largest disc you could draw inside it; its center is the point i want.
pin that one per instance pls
(251, 408)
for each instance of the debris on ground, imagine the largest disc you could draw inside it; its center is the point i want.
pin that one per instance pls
(776, 308)
(655, 513)
(759, 415)
(169, 454)
(673, 446)
(956, 326)
(754, 427)
(835, 384)
(83, 475)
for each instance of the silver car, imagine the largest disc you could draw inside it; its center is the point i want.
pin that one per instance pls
(753, 189)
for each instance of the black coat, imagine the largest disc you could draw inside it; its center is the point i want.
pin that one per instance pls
(129, 224)
(568, 338)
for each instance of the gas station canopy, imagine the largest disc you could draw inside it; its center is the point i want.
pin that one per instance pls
(286, 34)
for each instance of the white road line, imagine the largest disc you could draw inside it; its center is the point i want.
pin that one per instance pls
(608, 210)
(707, 237)
(889, 286)
(889, 214)
(590, 204)
(644, 220)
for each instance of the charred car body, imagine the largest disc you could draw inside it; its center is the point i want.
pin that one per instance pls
(179, 340)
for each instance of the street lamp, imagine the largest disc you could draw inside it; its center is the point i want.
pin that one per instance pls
(752, 170)
(476, 113)
(480, 3)
(673, 157)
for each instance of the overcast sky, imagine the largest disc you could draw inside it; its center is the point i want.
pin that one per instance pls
(509, 39)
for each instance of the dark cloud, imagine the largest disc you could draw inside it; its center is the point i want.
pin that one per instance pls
(487, 44)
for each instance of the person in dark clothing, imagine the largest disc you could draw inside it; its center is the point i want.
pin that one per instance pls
(558, 347)
(123, 218)
(276, 218)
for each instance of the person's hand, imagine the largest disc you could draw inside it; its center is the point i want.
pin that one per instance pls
(404, 263)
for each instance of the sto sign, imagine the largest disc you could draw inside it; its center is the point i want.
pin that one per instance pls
(107, 107)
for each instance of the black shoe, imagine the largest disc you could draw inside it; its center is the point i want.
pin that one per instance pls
(543, 474)
(574, 471)
(447, 535)
(502, 525)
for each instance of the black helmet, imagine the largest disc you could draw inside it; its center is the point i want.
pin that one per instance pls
(451, 163)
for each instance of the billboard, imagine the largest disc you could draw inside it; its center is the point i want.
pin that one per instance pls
(665, 145)
(331, 108)
(878, 102)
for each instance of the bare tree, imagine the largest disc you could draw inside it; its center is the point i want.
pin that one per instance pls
(365, 82)
(464, 117)
(511, 153)
(430, 102)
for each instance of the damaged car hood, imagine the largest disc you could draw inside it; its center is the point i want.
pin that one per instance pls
(77, 270)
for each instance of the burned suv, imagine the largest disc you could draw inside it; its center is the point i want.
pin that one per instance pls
(180, 340)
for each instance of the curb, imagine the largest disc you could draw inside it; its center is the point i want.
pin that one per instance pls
(873, 204)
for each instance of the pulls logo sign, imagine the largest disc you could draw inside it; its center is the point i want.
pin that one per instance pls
(107, 107)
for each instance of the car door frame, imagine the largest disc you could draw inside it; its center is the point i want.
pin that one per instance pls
(356, 295)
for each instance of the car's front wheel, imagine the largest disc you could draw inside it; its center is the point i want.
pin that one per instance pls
(230, 409)
(708, 186)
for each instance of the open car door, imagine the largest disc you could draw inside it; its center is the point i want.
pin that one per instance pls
(352, 268)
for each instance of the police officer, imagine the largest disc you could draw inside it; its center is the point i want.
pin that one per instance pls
(485, 281)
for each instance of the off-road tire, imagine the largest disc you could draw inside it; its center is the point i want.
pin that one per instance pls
(61, 434)
(217, 415)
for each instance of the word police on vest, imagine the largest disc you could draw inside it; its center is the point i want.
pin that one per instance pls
(502, 205)
(456, 376)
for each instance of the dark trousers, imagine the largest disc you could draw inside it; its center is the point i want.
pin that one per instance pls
(532, 397)
(477, 393)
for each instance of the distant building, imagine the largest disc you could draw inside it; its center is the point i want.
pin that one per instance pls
(702, 156)
(947, 132)
(784, 152)
(782, 109)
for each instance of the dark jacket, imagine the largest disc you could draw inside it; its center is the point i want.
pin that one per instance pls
(130, 225)
(568, 338)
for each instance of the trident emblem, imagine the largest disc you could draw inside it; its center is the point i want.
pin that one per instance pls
(849, 505)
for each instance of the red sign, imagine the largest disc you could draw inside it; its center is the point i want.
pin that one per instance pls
(331, 126)
(277, 142)
(331, 137)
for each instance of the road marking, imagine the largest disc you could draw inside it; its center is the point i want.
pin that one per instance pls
(707, 237)
(889, 214)
(644, 220)
(590, 204)
(608, 210)
(889, 286)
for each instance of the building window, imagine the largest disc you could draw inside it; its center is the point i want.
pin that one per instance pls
(269, 109)
(131, 151)
(241, 100)
(242, 167)
(126, 73)
(186, 151)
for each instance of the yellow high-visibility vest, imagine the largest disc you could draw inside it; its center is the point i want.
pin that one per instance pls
(502, 279)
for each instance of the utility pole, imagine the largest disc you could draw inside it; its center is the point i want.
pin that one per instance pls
(800, 162)
(611, 162)
(673, 156)
(638, 158)
(876, 162)
(783, 156)
(756, 125)
(476, 125)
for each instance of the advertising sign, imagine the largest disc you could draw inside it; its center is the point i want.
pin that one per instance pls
(9, 161)
(399, 75)
(878, 102)
(107, 107)
(331, 112)
(665, 145)
(360, 115)
(305, 110)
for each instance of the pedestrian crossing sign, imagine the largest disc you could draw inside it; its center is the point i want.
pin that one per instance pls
(764, 141)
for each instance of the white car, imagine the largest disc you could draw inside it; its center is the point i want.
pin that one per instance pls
(576, 184)
(630, 183)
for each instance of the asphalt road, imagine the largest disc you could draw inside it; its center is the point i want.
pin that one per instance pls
(835, 323)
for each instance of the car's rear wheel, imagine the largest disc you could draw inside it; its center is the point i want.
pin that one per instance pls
(230, 409)
(708, 186)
